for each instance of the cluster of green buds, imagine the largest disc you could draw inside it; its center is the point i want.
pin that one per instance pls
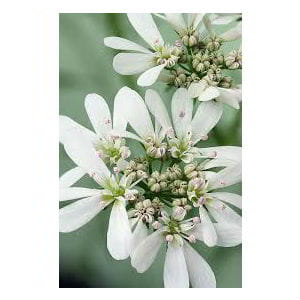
(181, 78)
(213, 76)
(111, 149)
(168, 54)
(234, 60)
(158, 181)
(155, 148)
(145, 210)
(193, 170)
(201, 62)
(189, 37)
(182, 202)
(213, 43)
(178, 187)
(137, 168)
(226, 82)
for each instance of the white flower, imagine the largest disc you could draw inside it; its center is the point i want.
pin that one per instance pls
(200, 192)
(71, 217)
(182, 263)
(224, 18)
(110, 147)
(204, 93)
(148, 62)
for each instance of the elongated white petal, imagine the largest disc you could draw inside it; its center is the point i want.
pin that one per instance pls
(138, 235)
(222, 213)
(200, 273)
(228, 235)
(66, 123)
(150, 76)
(225, 19)
(132, 63)
(231, 97)
(77, 214)
(99, 114)
(123, 44)
(206, 117)
(209, 93)
(209, 233)
(196, 89)
(71, 193)
(71, 177)
(82, 152)
(226, 177)
(177, 22)
(146, 28)
(231, 198)
(136, 113)
(119, 120)
(118, 233)
(223, 156)
(194, 20)
(157, 107)
(233, 33)
(144, 255)
(182, 109)
(175, 269)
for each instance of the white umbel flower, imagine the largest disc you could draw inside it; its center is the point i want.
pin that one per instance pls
(201, 193)
(110, 146)
(182, 263)
(71, 217)
(148, 62)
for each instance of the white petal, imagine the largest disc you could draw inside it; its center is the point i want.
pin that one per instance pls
(226, 177)
(228, 235)
(136, 112)
(71, 193)
(144, 255)
(139, 234)
(182, 109)
(231, 97)
(225, 156)
(222, 213)
(71, 177)
(132, 63)
(209, 233)
(119, 120)
(209, 94)
(146, 28)
(200, 273)
(206, 117)
(118, 233)
(123, 44)
(66, 123)
(233, 33)
(77, 214)
(225, 19)
(176, 21)
(196, 88)
(99, 114)
(82, 152)
(150, 76)
(231, 198)
(175, 269)
(158, 109)
(194, 20)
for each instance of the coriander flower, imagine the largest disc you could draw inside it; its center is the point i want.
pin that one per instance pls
(201, 194)
(182, 263)
(112, 190)
(148, 62)
(204, 93)
(110, 147)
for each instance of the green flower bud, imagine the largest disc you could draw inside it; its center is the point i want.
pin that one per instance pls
(147, 203)
(155, 188)
(163, 185)
(151, 181)
(192, 41)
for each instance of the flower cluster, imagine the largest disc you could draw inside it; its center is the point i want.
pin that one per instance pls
(170, 194)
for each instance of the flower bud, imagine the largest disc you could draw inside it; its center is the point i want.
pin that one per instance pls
(188, 207)
(178, 213)
(155, 188)
(150, 210)
(176, 202)
(192, 175)
(169, 238)
(192, 41)
(189, 168)
(141, 174)
(156, 175)
(151, 181)
(192, 238)
(156, 225)
(139, 206)
(163, 185)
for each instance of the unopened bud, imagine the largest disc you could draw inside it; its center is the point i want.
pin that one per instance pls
(192, 41)
(178, 213)
(156, 225)
(147, 203)
(150, 210)
(155, 188)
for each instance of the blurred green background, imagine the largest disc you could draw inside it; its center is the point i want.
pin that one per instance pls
(85, 66)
